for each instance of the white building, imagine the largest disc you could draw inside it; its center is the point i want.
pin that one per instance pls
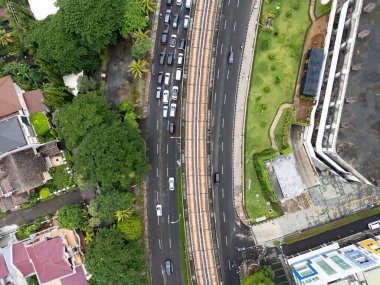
(350, 265)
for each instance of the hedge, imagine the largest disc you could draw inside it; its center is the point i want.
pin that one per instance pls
(262, 174)
(289, 119)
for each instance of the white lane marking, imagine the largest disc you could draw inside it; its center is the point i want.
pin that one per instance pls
(225, 24)
(157, 172)
(170, 243)
(217, 42)
(168, 219)
(228, 73)
(213, 121)
(224, 217)
(222, 146)
(224, 101)
(167, 149)
(229, 264)
(158, 220)
(222, 169)
(228, 2)
(221, 49)
(223, 193)
(214, 97)
(157, 125)
(226, 241)
(231, 48)
(237, 3)
(157, 196)
(157, 148)
(159, 243)
(167, 171)
(217, 76)
(223, 123)
(234, 26)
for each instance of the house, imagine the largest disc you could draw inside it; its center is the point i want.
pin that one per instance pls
(10, 93)
(34, 101)
(54, 256)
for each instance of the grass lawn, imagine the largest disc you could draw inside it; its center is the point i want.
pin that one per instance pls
(332, 225)
(61, 178)
(274, 74)
(320, 9)
(40, 123)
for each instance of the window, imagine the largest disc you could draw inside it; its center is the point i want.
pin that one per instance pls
(340, 262)
(326, 267)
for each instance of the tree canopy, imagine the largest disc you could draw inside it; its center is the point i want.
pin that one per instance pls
(86, 84)
(263, 277)
(131, 228)
(112, 260)
(105, 206)
(134, 18)
(112, 155)
(72, 217)
(87, 111)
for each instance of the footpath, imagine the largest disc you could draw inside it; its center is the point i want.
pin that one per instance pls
(240, 112)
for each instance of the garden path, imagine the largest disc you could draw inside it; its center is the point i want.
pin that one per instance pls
(312, 10)
(274, 124)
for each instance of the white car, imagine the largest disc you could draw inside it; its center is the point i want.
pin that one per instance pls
(165, 110)
(158, 93)
(179, 2)
(159, 210)
(186, 22)
(175, 93)
(171, 183)
(165, 97)
(173, 107)
(173, 41)
(180, 59)
(167, 78)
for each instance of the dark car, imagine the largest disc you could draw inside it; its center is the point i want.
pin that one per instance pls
(231, 57)
(160, 77)
(216, 178)
(168, 267)
(164, 38)
(171, 128)
(182, 44)
(168, 14)
(169, 2)
(166, 29)
(170, 58)
(175, 21)
(162, 58)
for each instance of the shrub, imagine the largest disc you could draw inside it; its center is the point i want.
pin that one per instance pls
(272, 56)
(40, 123)
(44, 193)
(289, 119)
(266, 89)
(288, 14)
(131, 228)
(277, 80)
(86, 84)
(264, 106)
(25, 230)
(273, 67)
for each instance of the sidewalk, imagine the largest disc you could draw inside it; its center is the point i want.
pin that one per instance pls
(240, 113)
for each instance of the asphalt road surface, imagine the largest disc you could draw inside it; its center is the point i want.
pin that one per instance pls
(329, 236)
(163, 154)
(234, 238)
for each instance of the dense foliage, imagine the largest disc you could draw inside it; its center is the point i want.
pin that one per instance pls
(113, 260)
(86, 84)
(134, 18)
(72, 217)
(131, 228)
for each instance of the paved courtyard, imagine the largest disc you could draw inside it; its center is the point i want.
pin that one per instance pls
(329, 201)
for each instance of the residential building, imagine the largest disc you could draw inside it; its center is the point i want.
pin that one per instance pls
(357, 263)
(54, 256)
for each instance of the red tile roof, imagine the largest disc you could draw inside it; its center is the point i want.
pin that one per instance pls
(34, 101)
(49, 260)
(79, 278)
(21, 259)
(9, 102)
(3, 268)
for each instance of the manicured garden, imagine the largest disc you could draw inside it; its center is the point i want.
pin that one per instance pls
(277, 55)
(41, 125)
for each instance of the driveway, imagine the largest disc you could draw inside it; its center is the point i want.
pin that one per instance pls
(47, 208)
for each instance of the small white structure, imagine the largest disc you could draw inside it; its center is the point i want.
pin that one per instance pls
(71, 81)
(43, 8)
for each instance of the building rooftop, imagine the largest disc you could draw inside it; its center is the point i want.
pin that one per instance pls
(34, 101)
(11, 135)
(313, 67)
(9, 102)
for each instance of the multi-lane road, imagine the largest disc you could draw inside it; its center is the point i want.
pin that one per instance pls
(164, 158)
(233, 237)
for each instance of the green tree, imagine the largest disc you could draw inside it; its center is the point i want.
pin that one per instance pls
(258, 278)
(138, 68)
(127, 109)
(59, 49)
(5, 37)
(134, 18)
(110, 203)
(24, 74)
(131, 228)
(123, 214)
(87, 111)
(44, 193)
(72, 217)
(140, 35)
(112, 260)
(56, 95)
(141, 47)
(112, 155)
(149, 6)
(86, 84)
(95, 23)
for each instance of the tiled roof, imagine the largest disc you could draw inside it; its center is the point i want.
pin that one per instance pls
(11, 134)
(34, 100)
(3, 268)
(79, 278)
(9, 102)
(21, 260)
(49, 260)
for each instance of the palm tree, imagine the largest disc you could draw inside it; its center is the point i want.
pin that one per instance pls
(140, 35)
(124, 215)
(138, 68)
(89, 236)
(5, 37)
(148, 6)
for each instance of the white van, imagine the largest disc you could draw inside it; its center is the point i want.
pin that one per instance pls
(178, 74)
(374, 225)
(188, 4)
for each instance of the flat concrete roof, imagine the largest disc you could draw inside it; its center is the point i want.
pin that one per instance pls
(11, 135)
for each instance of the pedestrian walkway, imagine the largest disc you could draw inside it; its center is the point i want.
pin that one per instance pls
(274, 124)
(49, 207)
(240, 113)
